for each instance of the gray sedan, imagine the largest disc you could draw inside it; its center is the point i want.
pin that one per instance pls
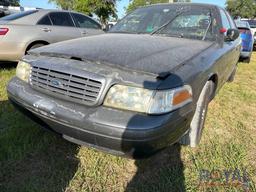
(31, 29)
(147, 89)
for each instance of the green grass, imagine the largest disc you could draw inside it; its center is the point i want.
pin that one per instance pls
(32, 159)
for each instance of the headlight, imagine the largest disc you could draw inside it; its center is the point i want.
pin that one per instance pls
(23, 71)
(148, 101)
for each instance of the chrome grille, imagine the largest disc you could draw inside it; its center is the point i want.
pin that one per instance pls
(69, 86)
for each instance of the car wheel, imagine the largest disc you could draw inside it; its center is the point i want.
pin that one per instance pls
(247, 60)
(232, 76)
(193, 136)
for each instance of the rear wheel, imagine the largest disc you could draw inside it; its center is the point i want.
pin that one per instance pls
(193, 137)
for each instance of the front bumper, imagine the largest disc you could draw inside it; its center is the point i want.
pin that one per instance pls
(114, 131)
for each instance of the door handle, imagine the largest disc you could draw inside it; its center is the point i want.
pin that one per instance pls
(83, 33)
(46, 29)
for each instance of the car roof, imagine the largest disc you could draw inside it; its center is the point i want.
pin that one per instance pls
(34, 18)
(51, 10)
(45, 11)
(58, 10)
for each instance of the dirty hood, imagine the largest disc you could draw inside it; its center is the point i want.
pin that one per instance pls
(145, 53)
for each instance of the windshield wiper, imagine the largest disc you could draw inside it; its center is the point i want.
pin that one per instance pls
(166, 24)
(126, 32)
(171, 35)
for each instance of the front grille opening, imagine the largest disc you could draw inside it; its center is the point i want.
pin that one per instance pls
(68, 86)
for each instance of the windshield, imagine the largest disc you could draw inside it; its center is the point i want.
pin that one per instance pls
(168, 20)
(17, 15)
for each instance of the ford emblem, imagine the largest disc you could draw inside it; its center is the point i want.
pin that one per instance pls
(56, 83)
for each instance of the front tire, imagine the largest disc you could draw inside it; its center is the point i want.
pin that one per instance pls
(193, 137)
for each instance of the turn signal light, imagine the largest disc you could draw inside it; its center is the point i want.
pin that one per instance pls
(181, 97)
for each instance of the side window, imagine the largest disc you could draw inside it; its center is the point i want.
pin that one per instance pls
(45, 21)
(224, 19)
(85, 22)
(61, 19)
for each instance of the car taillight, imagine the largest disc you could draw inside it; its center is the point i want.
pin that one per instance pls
(3, 31)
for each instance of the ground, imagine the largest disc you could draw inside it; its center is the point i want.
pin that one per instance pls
(32, 159)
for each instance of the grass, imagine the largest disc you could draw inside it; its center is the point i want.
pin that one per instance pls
(35, 160)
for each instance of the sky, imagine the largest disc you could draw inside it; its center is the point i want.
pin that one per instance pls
(120, 6)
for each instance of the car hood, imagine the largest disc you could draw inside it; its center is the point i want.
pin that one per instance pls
(145, 53)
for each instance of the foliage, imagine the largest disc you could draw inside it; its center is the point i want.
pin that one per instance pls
(134, 4)
(242, 8)
(104, 9)
(10, 2)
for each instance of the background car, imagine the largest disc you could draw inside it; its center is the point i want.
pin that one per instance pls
(252, 24)
(247, 40)
(31, 29)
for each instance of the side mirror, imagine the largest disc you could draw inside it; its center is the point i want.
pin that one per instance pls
(232, 35)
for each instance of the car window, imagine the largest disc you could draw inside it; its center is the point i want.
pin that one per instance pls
(45, 21)
(85, 22)
(61, 19)
(18, 15)
(224, 19)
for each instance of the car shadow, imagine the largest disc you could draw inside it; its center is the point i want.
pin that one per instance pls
(7, 65)
(32, 159)
(164, 170)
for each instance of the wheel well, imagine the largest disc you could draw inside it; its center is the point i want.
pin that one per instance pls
(34, 43)
(214, 79)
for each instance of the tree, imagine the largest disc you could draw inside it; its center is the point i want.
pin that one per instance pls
(104, 9)
(64, 4)
(134, 4)
(242, 8)
(10, 2)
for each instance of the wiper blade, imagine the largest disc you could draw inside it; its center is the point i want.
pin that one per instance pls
(126, 32)
(166, 24)
(171, 35)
